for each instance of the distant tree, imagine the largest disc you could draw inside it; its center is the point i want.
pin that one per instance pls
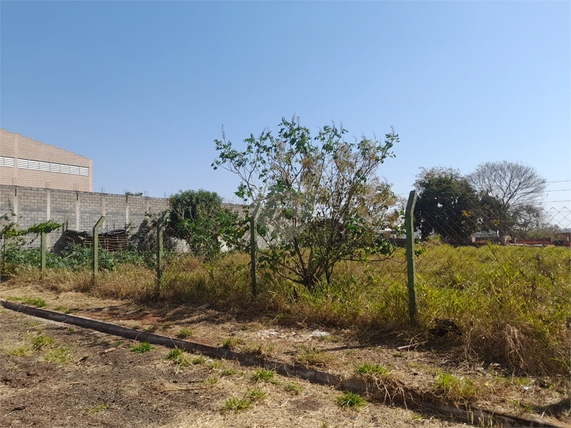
(445, 205)
(321, 199)
(198, 217)
(510, 194)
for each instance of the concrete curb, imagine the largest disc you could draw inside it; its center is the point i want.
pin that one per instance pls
(394, 393)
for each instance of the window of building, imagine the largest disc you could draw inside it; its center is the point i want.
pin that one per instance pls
(45, 166)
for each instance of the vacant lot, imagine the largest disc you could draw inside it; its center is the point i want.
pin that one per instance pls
(59, 376)
(53, 375)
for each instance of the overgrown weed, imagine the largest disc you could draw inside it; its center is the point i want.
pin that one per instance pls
(510, 303)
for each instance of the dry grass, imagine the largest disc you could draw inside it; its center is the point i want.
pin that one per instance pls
(511, 303)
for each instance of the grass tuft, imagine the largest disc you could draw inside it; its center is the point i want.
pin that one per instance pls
(294, 388)
(371, 370)
(142, 348)
(184, 333)
(311, 357)
(60, 356)
(264, 375)
(179, 357)
(455, 388)
(350, 400)
(232, 342)
(238, 404)
(41, 342)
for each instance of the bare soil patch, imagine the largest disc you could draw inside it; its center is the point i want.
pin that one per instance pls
(105, 384)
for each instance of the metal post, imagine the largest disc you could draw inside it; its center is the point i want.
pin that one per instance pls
(160, 244)
(409, 227)
(96, 246)
(254, 251)
(43, 250)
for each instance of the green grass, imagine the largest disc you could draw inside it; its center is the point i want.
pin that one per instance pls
(34, 301)
(184, 333)
(371, 370)
(60, 356)
(232, 342)
(64, 310)
(179, 357)
(257, 349)
(142, 348)
(455, 388)
(292, 387)
(250, 397)
(97, 409)
(198, 360)
(263, 375)
(210, 381)
(22, 351)
(236, 404)
(511, 303)
(307, 356)
(41, 342)
(227, 372)
(350, 400)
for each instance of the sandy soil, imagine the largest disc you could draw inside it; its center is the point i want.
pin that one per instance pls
(119, 388)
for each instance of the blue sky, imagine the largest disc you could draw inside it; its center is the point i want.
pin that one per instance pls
(143, 88)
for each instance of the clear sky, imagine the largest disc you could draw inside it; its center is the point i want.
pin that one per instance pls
(143, 88)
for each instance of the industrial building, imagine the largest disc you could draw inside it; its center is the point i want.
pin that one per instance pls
(29, 163)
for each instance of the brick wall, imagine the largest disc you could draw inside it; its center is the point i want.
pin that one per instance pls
(80, 210)
(16, 146)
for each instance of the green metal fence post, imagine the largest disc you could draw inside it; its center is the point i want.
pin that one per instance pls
(43, 250)
(160, 245)
(96, 246)
(409, 227)
(254, 251)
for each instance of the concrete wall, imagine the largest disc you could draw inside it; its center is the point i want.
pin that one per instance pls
(81, 210)
(50, 166)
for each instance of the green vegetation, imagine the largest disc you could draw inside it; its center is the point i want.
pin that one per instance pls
(97, 409)
(41, 342)
(323, 201)
(259, 349)
(511, 303)
(184, 333)
(197, 216)
(60, 356)
(232, 342)
(294, 388)
(210, 381)
(311, 357)
(238, 404)
(455, 388)
(179, 357)
(371, 370)
(34, 301)
(350, 400)
(142, 348)
(264, 375)
(198, 360)
(22, 351)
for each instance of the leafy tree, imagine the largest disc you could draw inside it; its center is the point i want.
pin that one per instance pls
(198, 217)
(321, 199)
(445, 205)
(511, 192)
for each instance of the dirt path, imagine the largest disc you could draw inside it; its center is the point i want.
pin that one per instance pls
(57, 376)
